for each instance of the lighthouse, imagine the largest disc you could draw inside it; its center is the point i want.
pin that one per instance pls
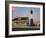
(30, 16)
(31, 20)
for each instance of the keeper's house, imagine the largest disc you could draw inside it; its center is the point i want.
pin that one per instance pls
(21, 21)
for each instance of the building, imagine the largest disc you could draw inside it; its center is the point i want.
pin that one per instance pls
(21, 21)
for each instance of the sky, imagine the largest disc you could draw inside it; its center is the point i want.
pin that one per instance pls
(24, 11)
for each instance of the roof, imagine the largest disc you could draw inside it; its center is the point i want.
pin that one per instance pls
(22, 18)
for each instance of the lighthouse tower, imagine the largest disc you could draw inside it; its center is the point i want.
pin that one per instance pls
(31, 20)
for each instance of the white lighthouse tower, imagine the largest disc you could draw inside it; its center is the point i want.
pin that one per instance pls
(30, 18)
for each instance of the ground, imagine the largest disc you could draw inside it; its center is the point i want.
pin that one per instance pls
(21, 27)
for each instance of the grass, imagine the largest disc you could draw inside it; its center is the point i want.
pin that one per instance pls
(23, 28)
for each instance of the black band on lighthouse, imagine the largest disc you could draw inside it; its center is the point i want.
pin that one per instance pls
(31, 12)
